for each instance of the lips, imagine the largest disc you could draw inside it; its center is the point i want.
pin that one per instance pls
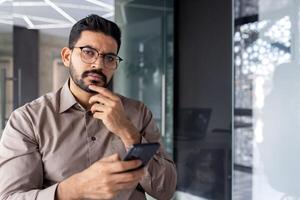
(97, 79)
(94, 76)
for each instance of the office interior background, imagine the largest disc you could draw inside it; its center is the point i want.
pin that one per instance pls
(221, 78)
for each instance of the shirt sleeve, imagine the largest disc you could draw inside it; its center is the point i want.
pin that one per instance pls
(21, 168)
(161, 177)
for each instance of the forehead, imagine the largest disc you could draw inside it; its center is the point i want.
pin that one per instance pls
(98, 41)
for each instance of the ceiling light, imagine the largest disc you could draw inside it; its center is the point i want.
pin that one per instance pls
(52, 26)
(28, 3)
(100, 3)
(41, 19)
(61, 11)
(108, 15)
(82, 7)
(61, 5)
(28, 21)
(34, 21)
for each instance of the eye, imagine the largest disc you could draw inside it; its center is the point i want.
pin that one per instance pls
(110, 58)
(88, 52)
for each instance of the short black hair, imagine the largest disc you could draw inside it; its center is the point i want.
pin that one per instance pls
(94, 23)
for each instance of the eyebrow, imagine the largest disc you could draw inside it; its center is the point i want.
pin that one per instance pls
(109, 53)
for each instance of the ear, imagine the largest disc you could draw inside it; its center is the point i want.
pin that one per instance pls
(66, 56)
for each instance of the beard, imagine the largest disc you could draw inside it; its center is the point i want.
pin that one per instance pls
(79, 80)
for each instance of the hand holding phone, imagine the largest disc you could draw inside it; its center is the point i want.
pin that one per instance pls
(143, 152)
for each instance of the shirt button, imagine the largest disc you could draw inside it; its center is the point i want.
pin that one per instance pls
(93, 138)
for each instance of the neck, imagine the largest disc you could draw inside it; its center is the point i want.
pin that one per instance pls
(80, 95)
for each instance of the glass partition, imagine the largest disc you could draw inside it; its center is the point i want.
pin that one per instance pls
(267, 71)
(6, 61)
(146, 74)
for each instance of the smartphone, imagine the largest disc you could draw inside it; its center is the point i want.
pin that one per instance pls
(143, 152)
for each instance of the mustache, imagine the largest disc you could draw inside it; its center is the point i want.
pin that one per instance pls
(95, 71)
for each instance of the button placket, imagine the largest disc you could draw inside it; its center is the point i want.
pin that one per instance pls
(88, 138)
(97, 136)
(89, 129)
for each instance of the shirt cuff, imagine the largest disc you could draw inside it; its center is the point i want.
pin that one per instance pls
(48, 193)
(143, 140)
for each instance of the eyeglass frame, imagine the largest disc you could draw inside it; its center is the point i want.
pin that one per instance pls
(118, 58)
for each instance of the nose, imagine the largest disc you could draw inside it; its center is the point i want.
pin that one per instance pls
(98, 64)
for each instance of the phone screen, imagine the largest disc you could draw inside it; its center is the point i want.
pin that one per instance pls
(143, 152)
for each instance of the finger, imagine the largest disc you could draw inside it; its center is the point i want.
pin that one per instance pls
(99, 115)
(97, 107)
(122, 166)
(96, 88)
(127, 177)
(115, 189)
(104, 91)
(111, 158)
(100, 99)
(125, 186)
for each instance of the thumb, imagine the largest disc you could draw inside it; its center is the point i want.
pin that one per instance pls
(111, 158)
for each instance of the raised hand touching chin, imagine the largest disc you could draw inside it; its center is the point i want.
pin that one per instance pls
(108, 107)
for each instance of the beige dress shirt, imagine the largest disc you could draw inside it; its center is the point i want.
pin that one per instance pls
(54, 137)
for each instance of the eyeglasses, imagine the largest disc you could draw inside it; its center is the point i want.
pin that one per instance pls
(89, 55)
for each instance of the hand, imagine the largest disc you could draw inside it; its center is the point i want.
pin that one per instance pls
(108, 107)
(103, 180)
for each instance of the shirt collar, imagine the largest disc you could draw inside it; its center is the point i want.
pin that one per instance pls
(67, 100)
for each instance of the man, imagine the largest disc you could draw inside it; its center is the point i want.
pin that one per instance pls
(68, 144)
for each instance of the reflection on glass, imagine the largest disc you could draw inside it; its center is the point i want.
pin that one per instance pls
(266, 53)
(146, 74)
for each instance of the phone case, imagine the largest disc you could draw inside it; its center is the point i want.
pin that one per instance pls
(143, 152)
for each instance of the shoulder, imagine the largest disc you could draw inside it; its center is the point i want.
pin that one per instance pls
(24, 120)
(47, 102)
